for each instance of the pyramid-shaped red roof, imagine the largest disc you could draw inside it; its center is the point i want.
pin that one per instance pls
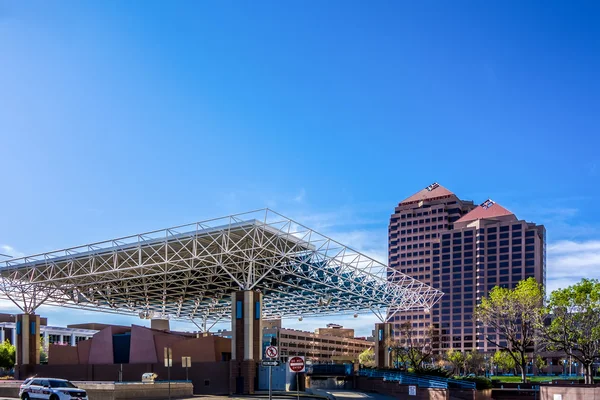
(430, 192)
(486, 210)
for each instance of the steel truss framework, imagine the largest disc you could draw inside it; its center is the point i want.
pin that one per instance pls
(189, 272)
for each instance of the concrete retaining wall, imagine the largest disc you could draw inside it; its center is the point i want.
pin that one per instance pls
(206, 377)
(331, 382)
(394, 389)
(9, 389)
(112, 391)
(470, 394)
(570, 392)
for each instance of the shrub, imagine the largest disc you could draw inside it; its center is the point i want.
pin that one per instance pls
(433, 371)
(480, 382)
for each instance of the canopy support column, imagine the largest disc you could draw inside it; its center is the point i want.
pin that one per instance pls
(246, 343)
(27, 342)
(383, 338)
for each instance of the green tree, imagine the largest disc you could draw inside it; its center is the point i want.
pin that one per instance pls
(540, 363)
(397, 352)
(7, 355)
(504, 361)
(413, 350)
(367, 358)
(456, 359)
(575, 326)
(43, 351)
(474, 362)
(514, 315)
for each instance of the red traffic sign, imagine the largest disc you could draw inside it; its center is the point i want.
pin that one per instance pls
(271, 352)
(297, 364)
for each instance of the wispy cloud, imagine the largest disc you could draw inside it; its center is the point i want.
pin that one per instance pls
(592, 169)
(570, 261)
(10, 251)
(372, 243)
(562, 218)
(569, 246)
(299, 198)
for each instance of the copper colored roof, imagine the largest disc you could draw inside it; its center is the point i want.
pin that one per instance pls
(430, 192)
(486, 210)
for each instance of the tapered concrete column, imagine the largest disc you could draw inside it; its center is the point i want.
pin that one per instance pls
(27, 339)
(73, 342)
(383, 336)
(2, 337)
(246, 342)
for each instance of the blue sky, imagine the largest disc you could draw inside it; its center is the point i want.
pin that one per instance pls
(121, 117)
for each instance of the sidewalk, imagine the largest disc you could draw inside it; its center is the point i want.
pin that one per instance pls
(349, 395)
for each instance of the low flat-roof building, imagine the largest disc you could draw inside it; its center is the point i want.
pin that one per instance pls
(333, 343)
(51, 334)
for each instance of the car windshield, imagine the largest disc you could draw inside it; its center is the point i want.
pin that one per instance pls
(61, 384)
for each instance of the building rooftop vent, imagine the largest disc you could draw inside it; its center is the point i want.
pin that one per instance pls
(487, 204)
(432, 186)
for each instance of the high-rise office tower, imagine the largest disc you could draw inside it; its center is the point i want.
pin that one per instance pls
(415, 227)
(471, 250)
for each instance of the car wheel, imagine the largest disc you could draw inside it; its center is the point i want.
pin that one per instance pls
(25, 396)
(54, 397)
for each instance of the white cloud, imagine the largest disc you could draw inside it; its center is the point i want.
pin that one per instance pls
(372, 243)
(569, 246)
(570, 261)
(10, 251)
(299, 198)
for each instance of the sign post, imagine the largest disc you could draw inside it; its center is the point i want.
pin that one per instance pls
(297, 365)
(168, 363)
(186, 362)
(271, 352)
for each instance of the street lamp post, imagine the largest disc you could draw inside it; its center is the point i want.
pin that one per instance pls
(485, 365)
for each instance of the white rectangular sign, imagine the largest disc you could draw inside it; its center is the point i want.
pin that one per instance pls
(168, 356)
(412, 390)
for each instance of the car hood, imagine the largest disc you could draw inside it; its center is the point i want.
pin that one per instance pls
(72, 389)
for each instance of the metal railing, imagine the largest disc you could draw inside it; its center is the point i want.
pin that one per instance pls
(405, 378)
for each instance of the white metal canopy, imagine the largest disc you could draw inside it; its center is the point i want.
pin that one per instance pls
(189, 272)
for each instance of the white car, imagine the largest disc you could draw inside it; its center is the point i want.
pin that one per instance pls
(51, 389)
